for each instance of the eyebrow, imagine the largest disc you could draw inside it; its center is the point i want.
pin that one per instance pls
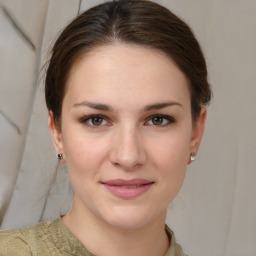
(94, 105)
(105, 107)
(161, 105)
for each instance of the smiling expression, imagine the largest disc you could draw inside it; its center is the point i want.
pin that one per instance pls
(126, 133)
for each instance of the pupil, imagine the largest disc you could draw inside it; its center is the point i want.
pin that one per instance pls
(157, 120)
(97, 120)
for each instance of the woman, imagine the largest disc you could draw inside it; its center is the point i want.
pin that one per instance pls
(126, 89)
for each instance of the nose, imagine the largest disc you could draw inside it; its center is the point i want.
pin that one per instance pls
(128, 150)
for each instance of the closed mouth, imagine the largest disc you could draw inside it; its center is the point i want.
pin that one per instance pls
(128, 189)
(121, 182)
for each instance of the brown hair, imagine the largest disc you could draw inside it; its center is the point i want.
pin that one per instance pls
(138, 22)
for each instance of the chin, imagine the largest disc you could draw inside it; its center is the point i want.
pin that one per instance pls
(127, 223)
(131, 217)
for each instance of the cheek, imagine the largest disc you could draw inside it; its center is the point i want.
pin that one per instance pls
(169, 157)
(83, 152)
(171, 150)
(83, 159)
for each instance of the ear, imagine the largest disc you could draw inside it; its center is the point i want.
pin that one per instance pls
(197, 132)
(56, 135)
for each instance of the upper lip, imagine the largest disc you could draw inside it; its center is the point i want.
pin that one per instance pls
(121, 182)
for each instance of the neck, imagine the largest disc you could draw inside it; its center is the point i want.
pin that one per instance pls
(149, 239)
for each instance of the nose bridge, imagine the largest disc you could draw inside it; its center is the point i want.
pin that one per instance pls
(128, 151)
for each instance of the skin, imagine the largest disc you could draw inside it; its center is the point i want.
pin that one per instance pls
(135, 83)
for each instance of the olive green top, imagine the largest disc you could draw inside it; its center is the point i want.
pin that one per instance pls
(54, 238)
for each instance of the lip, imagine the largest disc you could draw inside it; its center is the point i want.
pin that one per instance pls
(128, 189)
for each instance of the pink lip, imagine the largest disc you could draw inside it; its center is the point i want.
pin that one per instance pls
(128, 189)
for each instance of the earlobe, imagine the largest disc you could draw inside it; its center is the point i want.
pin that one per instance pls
(197, 133)
(56, 135)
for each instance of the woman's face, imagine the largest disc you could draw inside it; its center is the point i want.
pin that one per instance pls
(126, 134)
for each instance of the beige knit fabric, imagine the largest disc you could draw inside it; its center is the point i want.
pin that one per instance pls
(54, 238)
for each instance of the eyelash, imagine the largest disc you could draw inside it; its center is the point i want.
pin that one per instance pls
(87, 119)
(168, 119)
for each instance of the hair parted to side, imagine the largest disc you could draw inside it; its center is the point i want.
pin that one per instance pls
(139, 22)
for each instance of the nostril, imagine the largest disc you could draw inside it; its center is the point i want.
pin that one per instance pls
(127, 167)
(127, 152)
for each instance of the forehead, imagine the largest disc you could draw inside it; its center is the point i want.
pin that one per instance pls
(126, 72)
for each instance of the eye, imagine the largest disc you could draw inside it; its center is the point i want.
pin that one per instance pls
(95, 121)
(160, 120)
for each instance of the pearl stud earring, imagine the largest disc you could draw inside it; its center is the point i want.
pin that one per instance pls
(192, 156)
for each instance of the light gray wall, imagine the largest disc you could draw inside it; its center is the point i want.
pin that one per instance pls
(21, 30)
(214, 214)
(219, 191)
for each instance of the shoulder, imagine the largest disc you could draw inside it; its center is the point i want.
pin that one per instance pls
(21, 241)
(13, 242)
(174, 249)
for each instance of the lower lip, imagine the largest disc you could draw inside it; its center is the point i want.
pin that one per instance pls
(128, 192)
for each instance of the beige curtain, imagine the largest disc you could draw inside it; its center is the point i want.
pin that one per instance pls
(214, 214)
